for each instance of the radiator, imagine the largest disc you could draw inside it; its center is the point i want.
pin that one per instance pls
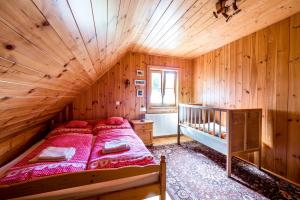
(164, 123)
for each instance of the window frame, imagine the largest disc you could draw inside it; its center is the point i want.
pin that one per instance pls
(162, 108)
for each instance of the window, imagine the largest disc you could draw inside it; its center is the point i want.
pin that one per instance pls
(163, 88)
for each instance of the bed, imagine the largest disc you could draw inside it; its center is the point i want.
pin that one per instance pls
(137, 155)
(134, 178)
(231, 132)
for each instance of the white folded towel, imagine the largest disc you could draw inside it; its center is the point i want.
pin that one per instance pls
(115, 146)
(54, 154)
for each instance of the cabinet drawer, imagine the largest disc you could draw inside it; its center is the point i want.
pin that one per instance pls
(143, 126)
(146, 137)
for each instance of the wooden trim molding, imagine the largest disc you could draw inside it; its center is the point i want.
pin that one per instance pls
(162, 109)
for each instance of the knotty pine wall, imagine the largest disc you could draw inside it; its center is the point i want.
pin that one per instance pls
(100, 100)
(261, 70)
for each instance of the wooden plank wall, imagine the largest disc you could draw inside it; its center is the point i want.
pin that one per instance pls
(261, 70)
(100, 100)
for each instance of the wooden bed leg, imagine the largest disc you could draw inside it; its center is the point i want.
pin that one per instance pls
(178, 135)
(163, 178)
(228, 166)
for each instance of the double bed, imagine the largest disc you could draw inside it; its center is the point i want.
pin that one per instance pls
(134, 174)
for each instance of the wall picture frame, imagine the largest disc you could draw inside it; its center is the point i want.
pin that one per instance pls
(140, 72)
(139, 92)
(139, 82)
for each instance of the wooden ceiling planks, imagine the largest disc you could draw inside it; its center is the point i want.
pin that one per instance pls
(61, 19)
(52, 49)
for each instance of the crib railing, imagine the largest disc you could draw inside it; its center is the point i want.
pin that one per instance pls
(197, 116)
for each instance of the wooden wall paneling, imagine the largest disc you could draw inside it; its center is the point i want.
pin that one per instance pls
(112, 20)
(197, 87)
(231, 68)
(171, 30)
(282, 88)
(255, 11)
(111, 87)
(222, 78)
(262, 53)
(21, 16)
(83, 15)
(155, 17)
(216, 61)
(253, 72)
(26, 54)
(200, 17)
(12, 72)
(12, 147)
(270, 97)
(238, 73)
(259, 70)
(246, 63)
(61, 19)
(171, 15)
(293, 151)
(126, 9)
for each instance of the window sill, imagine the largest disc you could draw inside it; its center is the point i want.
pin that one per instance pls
(158, 110)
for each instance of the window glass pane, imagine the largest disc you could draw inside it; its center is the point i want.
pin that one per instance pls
(170, 80)
(156, 80)
(156, 96)
(169, 97)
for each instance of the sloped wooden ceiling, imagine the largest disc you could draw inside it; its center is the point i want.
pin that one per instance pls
(52, 49)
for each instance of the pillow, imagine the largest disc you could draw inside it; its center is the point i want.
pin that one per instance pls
(77, 124)
(115, 121)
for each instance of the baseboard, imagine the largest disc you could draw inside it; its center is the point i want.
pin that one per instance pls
(165, 136)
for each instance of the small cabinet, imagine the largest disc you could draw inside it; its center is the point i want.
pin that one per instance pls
(144, 129)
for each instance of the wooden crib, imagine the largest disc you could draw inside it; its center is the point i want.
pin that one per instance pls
(231, 132)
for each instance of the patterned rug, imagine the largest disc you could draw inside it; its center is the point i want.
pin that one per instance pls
(195, 171)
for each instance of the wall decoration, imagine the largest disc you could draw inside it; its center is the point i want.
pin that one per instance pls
(139, 93)
(139, 82)
(127, 83)
(140, 72)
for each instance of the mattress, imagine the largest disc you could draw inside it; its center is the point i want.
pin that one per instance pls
(23, 170)
(138, 154)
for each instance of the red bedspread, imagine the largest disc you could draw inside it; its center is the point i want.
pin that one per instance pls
(60, 130)
(137, 155)
(102, 125)
(24, 171)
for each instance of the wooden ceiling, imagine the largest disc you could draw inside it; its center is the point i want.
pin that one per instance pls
(52, 49)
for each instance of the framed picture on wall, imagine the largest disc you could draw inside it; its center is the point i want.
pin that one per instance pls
(139, 82)
(140, 72)
(139, 93)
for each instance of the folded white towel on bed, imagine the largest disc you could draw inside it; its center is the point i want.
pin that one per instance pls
(54, 154)
(115, 146)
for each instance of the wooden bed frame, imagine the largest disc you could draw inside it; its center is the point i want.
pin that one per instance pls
(243, 129)
(70, 180)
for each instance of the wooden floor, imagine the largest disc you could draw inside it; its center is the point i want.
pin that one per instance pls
(169, 140)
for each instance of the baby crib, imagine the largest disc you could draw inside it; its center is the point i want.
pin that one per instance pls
(231, 132)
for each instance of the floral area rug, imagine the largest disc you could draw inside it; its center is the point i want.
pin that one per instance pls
(195, 171)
